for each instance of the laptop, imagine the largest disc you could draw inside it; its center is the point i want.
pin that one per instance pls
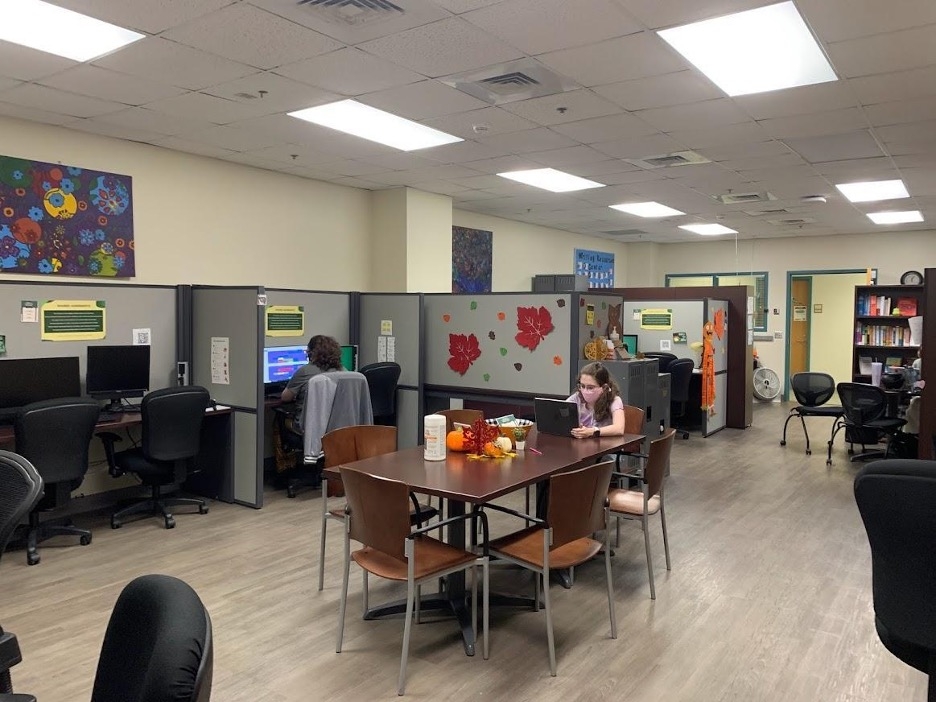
(557, 417)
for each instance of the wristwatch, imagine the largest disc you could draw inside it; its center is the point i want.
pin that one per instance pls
(597, 432)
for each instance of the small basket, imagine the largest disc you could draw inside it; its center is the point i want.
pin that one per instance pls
(517, 432)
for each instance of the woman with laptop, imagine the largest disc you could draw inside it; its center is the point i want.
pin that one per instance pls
(600, 407)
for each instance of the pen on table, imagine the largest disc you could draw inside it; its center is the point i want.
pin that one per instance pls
(536, 451)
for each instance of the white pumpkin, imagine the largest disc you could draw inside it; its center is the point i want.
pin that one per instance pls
(503, 443)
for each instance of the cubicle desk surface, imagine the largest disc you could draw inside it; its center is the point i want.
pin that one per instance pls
(461, 480)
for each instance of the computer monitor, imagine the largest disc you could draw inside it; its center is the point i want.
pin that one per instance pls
(116, 372)
(629, 342)
(349, 357)
(26, 380)
(280, 362)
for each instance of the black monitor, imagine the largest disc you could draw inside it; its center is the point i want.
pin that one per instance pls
(116, 372)
(26, 380)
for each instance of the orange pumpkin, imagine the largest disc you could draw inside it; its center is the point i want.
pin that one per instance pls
(493, 450)
(455, 440)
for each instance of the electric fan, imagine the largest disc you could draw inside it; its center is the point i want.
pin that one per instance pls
(766, 384)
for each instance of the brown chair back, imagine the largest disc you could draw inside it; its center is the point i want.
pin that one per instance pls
(660, 450)
(379, 507)
(350, 444)
(576, 502)
(462, 416)
(633, 419)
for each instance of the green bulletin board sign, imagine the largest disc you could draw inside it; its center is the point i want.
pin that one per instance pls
(72, 320)
(285, 320)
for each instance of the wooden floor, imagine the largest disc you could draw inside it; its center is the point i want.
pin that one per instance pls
(769, 599)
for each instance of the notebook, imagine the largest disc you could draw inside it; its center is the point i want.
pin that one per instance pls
(557, 417)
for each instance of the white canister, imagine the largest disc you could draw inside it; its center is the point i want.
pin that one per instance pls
(434, 435)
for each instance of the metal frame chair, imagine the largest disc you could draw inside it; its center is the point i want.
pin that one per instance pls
(863, 411)
(812, 391)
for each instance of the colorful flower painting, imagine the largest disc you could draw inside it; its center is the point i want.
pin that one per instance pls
(463, 351)
(472, 256)
(534, 324)
(65, 220)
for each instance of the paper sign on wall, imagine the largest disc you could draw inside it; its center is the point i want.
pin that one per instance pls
(391, 348)
(381, 349)
(220, 360)
(799, 313)
(29, 311)
(386, 327)
(142, 337)
(589, 315)
(72, 320)
(285, 320)
(659, 319)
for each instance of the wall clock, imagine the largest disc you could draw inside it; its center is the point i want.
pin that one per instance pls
(911, 278)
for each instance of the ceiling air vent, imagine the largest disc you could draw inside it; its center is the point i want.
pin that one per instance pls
(352, 12)
(767, 211)
(792, 221)
(510, 82)
(731, 198)
(626, 233)
(679, 158)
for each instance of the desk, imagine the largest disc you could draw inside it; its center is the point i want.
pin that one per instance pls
(461, 480)
(213, 476)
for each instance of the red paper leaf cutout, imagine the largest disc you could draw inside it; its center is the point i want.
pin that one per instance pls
(534, 324)
(463, 351)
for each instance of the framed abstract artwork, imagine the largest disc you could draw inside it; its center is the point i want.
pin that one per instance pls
(472, 256)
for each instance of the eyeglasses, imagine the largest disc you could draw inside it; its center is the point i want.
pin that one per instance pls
(588, 387)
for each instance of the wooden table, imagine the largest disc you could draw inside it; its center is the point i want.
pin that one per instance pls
(460, 481)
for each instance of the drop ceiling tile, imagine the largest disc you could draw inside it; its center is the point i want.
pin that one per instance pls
(349, 71)
(21, 63)
(610, 128)
(280, 94)
(907, 139)
(472, 195)
(711, 113)
(153, 16)
(836, 147)
(742, 132)
(58, 101)
(758, 162)
(490, 121)
(527, 141)
(440, 187)
(876, 166)
(151, 121)
(438, 49)
(900, 85)
(31, 114)
(491, 183)
(206, 108)
(419, 175)
(817, 124)
(101, 83)
(901, 112)
(597, 170)
(401, 160)
(569, 158)
(94, 126)
(658, 15)
(461, 152)
(162, 60)
(359, 183)
(615, 60)
(641, 147)
(191, 147)
(232, 138)
(430, 98)
(349, 167)
(462, 6)
(504, 164)
(660, 91)
(883, 53)
(253, 36)
(731, 151)
(255, 161)
(537, 26)
(413, 13)
(7, 83)
(837, 20)
(294, 155)
(798, 101)
(565, 107)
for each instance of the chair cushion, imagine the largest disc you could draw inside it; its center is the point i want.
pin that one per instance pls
(133, 461)
(632, 502)
(527, 546)
(432, 556)
(824, 411)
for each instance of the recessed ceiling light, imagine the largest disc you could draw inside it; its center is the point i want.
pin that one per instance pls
(552, 180)
(62, 32)
(368, 122)
(646, 209)
(873, 190)
(895, 217)
(769, 48)
(707, 229)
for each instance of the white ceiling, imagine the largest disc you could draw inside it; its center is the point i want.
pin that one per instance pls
(194, 84)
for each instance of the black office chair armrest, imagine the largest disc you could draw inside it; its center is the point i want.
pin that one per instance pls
(109, 438)
(10, 653)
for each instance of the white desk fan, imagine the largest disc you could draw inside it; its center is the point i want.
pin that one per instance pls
(766, 384)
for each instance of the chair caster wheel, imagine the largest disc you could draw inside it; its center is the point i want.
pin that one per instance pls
(290, 493)
(85, 540)
(203, 509)
(115, 524)
(783, 443)
(808, 452)
(170, 523)
(828, 463)
(32, 559)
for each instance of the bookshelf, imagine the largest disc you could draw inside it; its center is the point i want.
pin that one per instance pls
(879, 334)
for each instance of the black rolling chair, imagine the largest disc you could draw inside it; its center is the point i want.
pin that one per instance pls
(812, 391)
(663, 357)
(158, 645)
(20, 490)
(382, 380)
(863, 410)
(895, 499)
(172, 420)
(680, 372)
(54, 435)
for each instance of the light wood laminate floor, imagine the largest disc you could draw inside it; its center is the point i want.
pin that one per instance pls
(769, 599)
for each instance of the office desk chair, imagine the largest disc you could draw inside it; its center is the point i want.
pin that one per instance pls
(663, 357)
(895, 499)
(20, 491)
(680, 372)
(172, 421)
(55, 435)
(812, 391)
(382, 381)
(158, 645)
(863, 410)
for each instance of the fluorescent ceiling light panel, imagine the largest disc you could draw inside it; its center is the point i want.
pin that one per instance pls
(707, 229)
(62, 32)
(895, 217)
(873, 190)
(769, 48)
(646, 209)
(552, 180)
(368, 122)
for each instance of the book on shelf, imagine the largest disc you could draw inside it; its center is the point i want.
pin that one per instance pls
(907, 306)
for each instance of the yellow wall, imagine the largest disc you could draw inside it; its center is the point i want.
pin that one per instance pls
(831, 331)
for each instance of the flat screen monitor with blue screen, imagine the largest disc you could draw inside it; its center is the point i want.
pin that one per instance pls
(629, 342)
(280, 362)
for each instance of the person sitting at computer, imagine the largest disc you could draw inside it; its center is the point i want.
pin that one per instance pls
(324, 355)
(600, 407)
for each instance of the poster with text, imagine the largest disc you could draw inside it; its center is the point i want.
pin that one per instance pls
(597, 265)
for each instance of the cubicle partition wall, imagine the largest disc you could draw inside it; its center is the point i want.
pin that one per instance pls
(327, 313)
(391, 329)
(227, 340)
(594, 315)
